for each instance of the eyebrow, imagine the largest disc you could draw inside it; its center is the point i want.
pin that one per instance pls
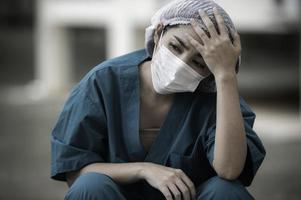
(181, 42)
(184, 45)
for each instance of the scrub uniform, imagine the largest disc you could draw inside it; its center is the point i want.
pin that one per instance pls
(99, 122)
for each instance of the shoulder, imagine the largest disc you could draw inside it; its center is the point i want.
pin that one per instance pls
(111, 69)
(121, 62)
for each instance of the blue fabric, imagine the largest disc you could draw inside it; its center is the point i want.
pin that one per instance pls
(99, 122)
(218, 188)
(96, 186)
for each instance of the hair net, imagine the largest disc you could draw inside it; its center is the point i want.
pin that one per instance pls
(181, 12)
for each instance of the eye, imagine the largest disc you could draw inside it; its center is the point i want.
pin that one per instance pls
(175, 47)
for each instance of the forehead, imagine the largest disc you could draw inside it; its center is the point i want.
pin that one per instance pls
(179, 31)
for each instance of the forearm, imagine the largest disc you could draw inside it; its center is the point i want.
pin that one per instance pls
(230, 140)
(123, 173)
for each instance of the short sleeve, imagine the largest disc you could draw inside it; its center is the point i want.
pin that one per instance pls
(256, 151)
(79, 136)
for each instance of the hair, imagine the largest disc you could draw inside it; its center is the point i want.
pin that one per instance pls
(179, 12)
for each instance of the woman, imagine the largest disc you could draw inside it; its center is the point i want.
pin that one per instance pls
(165, 122)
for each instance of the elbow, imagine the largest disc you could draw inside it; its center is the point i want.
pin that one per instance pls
(227, 172)
(229, 175)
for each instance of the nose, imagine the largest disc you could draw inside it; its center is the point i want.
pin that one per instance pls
(185, 57)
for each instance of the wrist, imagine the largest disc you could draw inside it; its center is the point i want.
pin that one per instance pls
(225, 76)
(141, 167)
(223, 80)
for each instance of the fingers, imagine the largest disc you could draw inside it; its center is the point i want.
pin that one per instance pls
(209, 24)
(180, 186)
(184, 189)
(198, 46)
(165, 191)
(175, 184)
(175, 191)
(220, 22)
(200, 32)
(236, 39)
(185, 185)
(189, 184)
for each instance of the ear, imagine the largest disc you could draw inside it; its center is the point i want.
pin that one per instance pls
(158, 32)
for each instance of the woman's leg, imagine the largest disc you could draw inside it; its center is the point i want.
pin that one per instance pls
(218, 188)
(94, 186)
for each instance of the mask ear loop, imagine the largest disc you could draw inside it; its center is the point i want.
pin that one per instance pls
(159, 42)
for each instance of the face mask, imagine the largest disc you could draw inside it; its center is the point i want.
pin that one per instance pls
(170, 74)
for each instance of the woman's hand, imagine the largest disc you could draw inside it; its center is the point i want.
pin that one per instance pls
(167, 180)
(217, 50)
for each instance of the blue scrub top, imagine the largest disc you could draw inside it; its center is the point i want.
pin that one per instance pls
(99, 122)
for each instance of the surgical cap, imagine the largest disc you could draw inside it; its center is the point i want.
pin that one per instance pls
(181, 12)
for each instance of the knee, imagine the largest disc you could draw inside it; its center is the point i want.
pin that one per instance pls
(218, 188)
(91, 186)
(223, 186)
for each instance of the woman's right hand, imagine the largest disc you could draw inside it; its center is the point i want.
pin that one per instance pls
(169, 181)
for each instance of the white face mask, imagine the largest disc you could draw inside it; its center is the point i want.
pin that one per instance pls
(170, 74)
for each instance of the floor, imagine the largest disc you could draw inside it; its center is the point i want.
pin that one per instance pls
(25, 149)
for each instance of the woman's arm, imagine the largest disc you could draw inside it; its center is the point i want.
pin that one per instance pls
(168, 180)
(230, 148)
(122, 173)
(220, 55)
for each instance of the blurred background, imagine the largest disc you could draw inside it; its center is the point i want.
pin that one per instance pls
(46, 46)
